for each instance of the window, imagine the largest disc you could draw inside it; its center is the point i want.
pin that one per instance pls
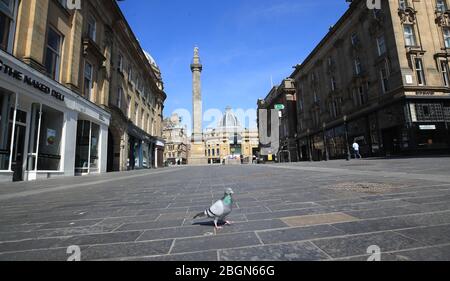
(91, 28)
(86, 156)
(119, 97)
(7, 102)
(358, 67)
(316, 98)
(88, 83)
(120, 68)
(330, 61)
(420, 72)
(53, 54)
(142, 119)
(333, 83)
(136, 113)
(445, 71)
(359, 96)
(129, 107)
(7, 24)
(148, 123)
(384, 75)
(381, 45)
(354, 39)
(410, 39)
(441, 6)
(402, 4)
(446, 32)
(130, 74)
(362, 96)
(45, 144)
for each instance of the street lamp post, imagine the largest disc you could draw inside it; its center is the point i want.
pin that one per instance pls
(346, 138)
(327, 156)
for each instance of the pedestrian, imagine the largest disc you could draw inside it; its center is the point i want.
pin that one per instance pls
(356, 150)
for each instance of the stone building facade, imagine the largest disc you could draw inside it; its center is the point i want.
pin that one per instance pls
(137, 102)
(176, 141)
(229, 141)
(380, 78)
(58, 86)
(281, 102)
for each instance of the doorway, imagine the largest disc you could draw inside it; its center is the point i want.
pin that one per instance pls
(19, 146)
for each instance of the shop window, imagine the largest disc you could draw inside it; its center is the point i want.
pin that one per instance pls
(53, 54)
(45, 138)
(6, 107)
(86, 157)
(429, 112)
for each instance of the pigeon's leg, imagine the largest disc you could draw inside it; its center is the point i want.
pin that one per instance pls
(215, 224)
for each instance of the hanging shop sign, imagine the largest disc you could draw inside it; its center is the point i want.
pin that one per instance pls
(30, 81)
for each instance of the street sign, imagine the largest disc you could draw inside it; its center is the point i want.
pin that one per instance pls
(279, 106)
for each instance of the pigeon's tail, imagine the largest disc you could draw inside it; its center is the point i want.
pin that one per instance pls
(200, 215)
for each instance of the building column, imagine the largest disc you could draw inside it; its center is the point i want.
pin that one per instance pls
(103, 149)
(70, 142)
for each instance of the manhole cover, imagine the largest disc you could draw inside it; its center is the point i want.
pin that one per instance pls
(364, 187)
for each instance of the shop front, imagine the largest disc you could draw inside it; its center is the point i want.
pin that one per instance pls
(429, 126)
(139, 148)
(46, 130)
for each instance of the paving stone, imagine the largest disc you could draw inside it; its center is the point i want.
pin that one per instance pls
(298, 234)
(215, 242)
(365, 226)
(150, 225)
(381, 213)
(30, 244)
(282, 252)
(59, 254)
(178, 232)
(199, 256)
(123, 250)
(104, 238)
(292, 213)
(67, 224)
(432, 235)
(281, 207)
(428, 254)
(358, 245)
(318, 219)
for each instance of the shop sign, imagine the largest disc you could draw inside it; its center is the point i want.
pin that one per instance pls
(279, 106)
(40, 86)
(427, 127)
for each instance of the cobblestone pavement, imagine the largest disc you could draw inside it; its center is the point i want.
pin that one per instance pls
(303, 211)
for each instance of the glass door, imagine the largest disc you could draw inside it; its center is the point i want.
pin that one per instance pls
(19, 145)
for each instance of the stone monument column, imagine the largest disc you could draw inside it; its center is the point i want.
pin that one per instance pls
(197, 152)
(196, 68)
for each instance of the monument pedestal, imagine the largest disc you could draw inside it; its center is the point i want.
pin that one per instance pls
(197, 155)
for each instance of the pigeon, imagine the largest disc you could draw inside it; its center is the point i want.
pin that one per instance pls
(219, 210)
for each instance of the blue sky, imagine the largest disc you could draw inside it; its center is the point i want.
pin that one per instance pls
(243, 43)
